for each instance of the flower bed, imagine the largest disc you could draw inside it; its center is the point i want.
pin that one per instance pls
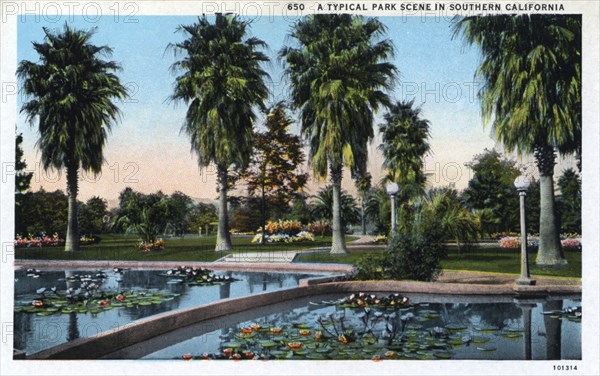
(152, 246)
(513, 242)
(285, 238)
(48, 241)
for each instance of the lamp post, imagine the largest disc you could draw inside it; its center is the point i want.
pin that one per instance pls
(392, 189)
(522, 184)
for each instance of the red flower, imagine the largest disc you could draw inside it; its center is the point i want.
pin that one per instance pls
(120, 297)
(103, 303)
(187, 357)
(228, 352)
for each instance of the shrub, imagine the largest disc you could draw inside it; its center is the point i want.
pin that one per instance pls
(414, 256)
(282, 227)
(151, 246)
(571, 243)
(319, 228)
(285, 238)
(410, 255)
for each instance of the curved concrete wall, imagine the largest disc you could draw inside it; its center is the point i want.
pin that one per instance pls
(110, 342)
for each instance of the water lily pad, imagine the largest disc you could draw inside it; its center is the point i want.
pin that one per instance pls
(486, 348)
(442, 355)
(267, 344)
(455, 327)
(480, 339)
(487, 329)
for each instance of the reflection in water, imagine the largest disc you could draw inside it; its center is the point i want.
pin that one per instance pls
(34, 333)
(553, 330)
(526, 308)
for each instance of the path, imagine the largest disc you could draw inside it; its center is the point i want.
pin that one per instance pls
(288, 256)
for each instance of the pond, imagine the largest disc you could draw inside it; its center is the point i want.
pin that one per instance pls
(34, 332)
(429, 327)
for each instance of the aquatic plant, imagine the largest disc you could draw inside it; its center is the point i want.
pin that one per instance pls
(195, 276)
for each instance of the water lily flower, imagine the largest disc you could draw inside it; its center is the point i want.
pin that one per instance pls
(247, 330)
(188, 357)
(304, 332)
(389, 354)
(120, 297)
(376, 358)
(295, 345)
(37, 303)
(275, 330)
(249, 354)
(205, 356)
(103, 303)
(343, 339)
(236, 356)
(318, 334)
(255, 326)
(228, 352)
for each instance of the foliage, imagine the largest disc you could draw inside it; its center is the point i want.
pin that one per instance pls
(193, 276)
(201, 216)
(569, 203)
(338, 69)
(378, 209)
(404, 143)
(323, 204)
(273, 173)
(301, 210)
(412, 254)
(92, 216)
(41, 212)
(246, 214)
(531, 96)
(153, 245)
(73, 118)
(222, 83)
(572, 243)
(22, 178)
(442, 214)
(302, 236)
(319, 227)
(492, 193)
(282, 227)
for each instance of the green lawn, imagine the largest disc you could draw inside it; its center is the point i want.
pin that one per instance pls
(118, 247)
(495, 260)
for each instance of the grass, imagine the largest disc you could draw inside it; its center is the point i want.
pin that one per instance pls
(119, 247)
(123, 248)
(495, 260)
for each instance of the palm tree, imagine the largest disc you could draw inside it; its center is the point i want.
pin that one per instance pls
(531, 70)
(338, 70)
(404, 145)
(221, 83)
(323, 206)
(363, 185)
(72, 91)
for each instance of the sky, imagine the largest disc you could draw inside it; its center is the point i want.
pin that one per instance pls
(147, 152)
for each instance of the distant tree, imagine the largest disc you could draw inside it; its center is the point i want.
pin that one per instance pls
(323, 206)
(201, 217)
(570, 201)
(378, 208)
(301, 210)
(91, 216)
(22, 183)
(22, 178)
(178, 206)
(491, 189)
(42, 212)
(273, 174)
(363, 185)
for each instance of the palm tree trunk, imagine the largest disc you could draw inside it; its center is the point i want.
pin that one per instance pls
(362, 216)
(550, 251)
(72, 239)
(338, 244)
(223, 237)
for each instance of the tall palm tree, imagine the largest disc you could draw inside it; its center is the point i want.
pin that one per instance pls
(72, 90)
(404, 136)
(221, 83)
(363, 186)
(531, 70)
(338, 70)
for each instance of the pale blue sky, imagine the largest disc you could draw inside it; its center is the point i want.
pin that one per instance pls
(434, 69)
